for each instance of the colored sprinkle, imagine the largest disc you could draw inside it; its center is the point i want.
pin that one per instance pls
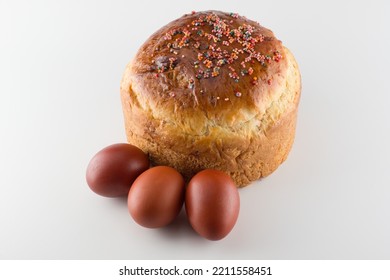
(215, 72)
(238, 94)
(191, 83)
(235, 15)
(244, 72)
(208, 63)
(254, 81)
(277, 56)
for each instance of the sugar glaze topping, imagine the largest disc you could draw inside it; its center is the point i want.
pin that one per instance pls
(221, 45)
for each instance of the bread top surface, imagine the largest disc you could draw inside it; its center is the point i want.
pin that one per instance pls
(208, 68)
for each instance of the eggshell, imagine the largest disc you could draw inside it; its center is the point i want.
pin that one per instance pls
(212, 204)
(156, 197)
(112, 170)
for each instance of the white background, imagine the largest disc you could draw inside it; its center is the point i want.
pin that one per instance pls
(60, 67)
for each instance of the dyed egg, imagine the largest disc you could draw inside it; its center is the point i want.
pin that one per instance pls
(112, 171)
(212, 204)
(156, 197)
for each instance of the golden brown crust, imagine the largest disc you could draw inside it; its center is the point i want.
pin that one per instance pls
(193, 122)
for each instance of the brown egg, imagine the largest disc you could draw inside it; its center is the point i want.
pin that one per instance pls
(212, 204)
(156, 197)
(112, 170)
